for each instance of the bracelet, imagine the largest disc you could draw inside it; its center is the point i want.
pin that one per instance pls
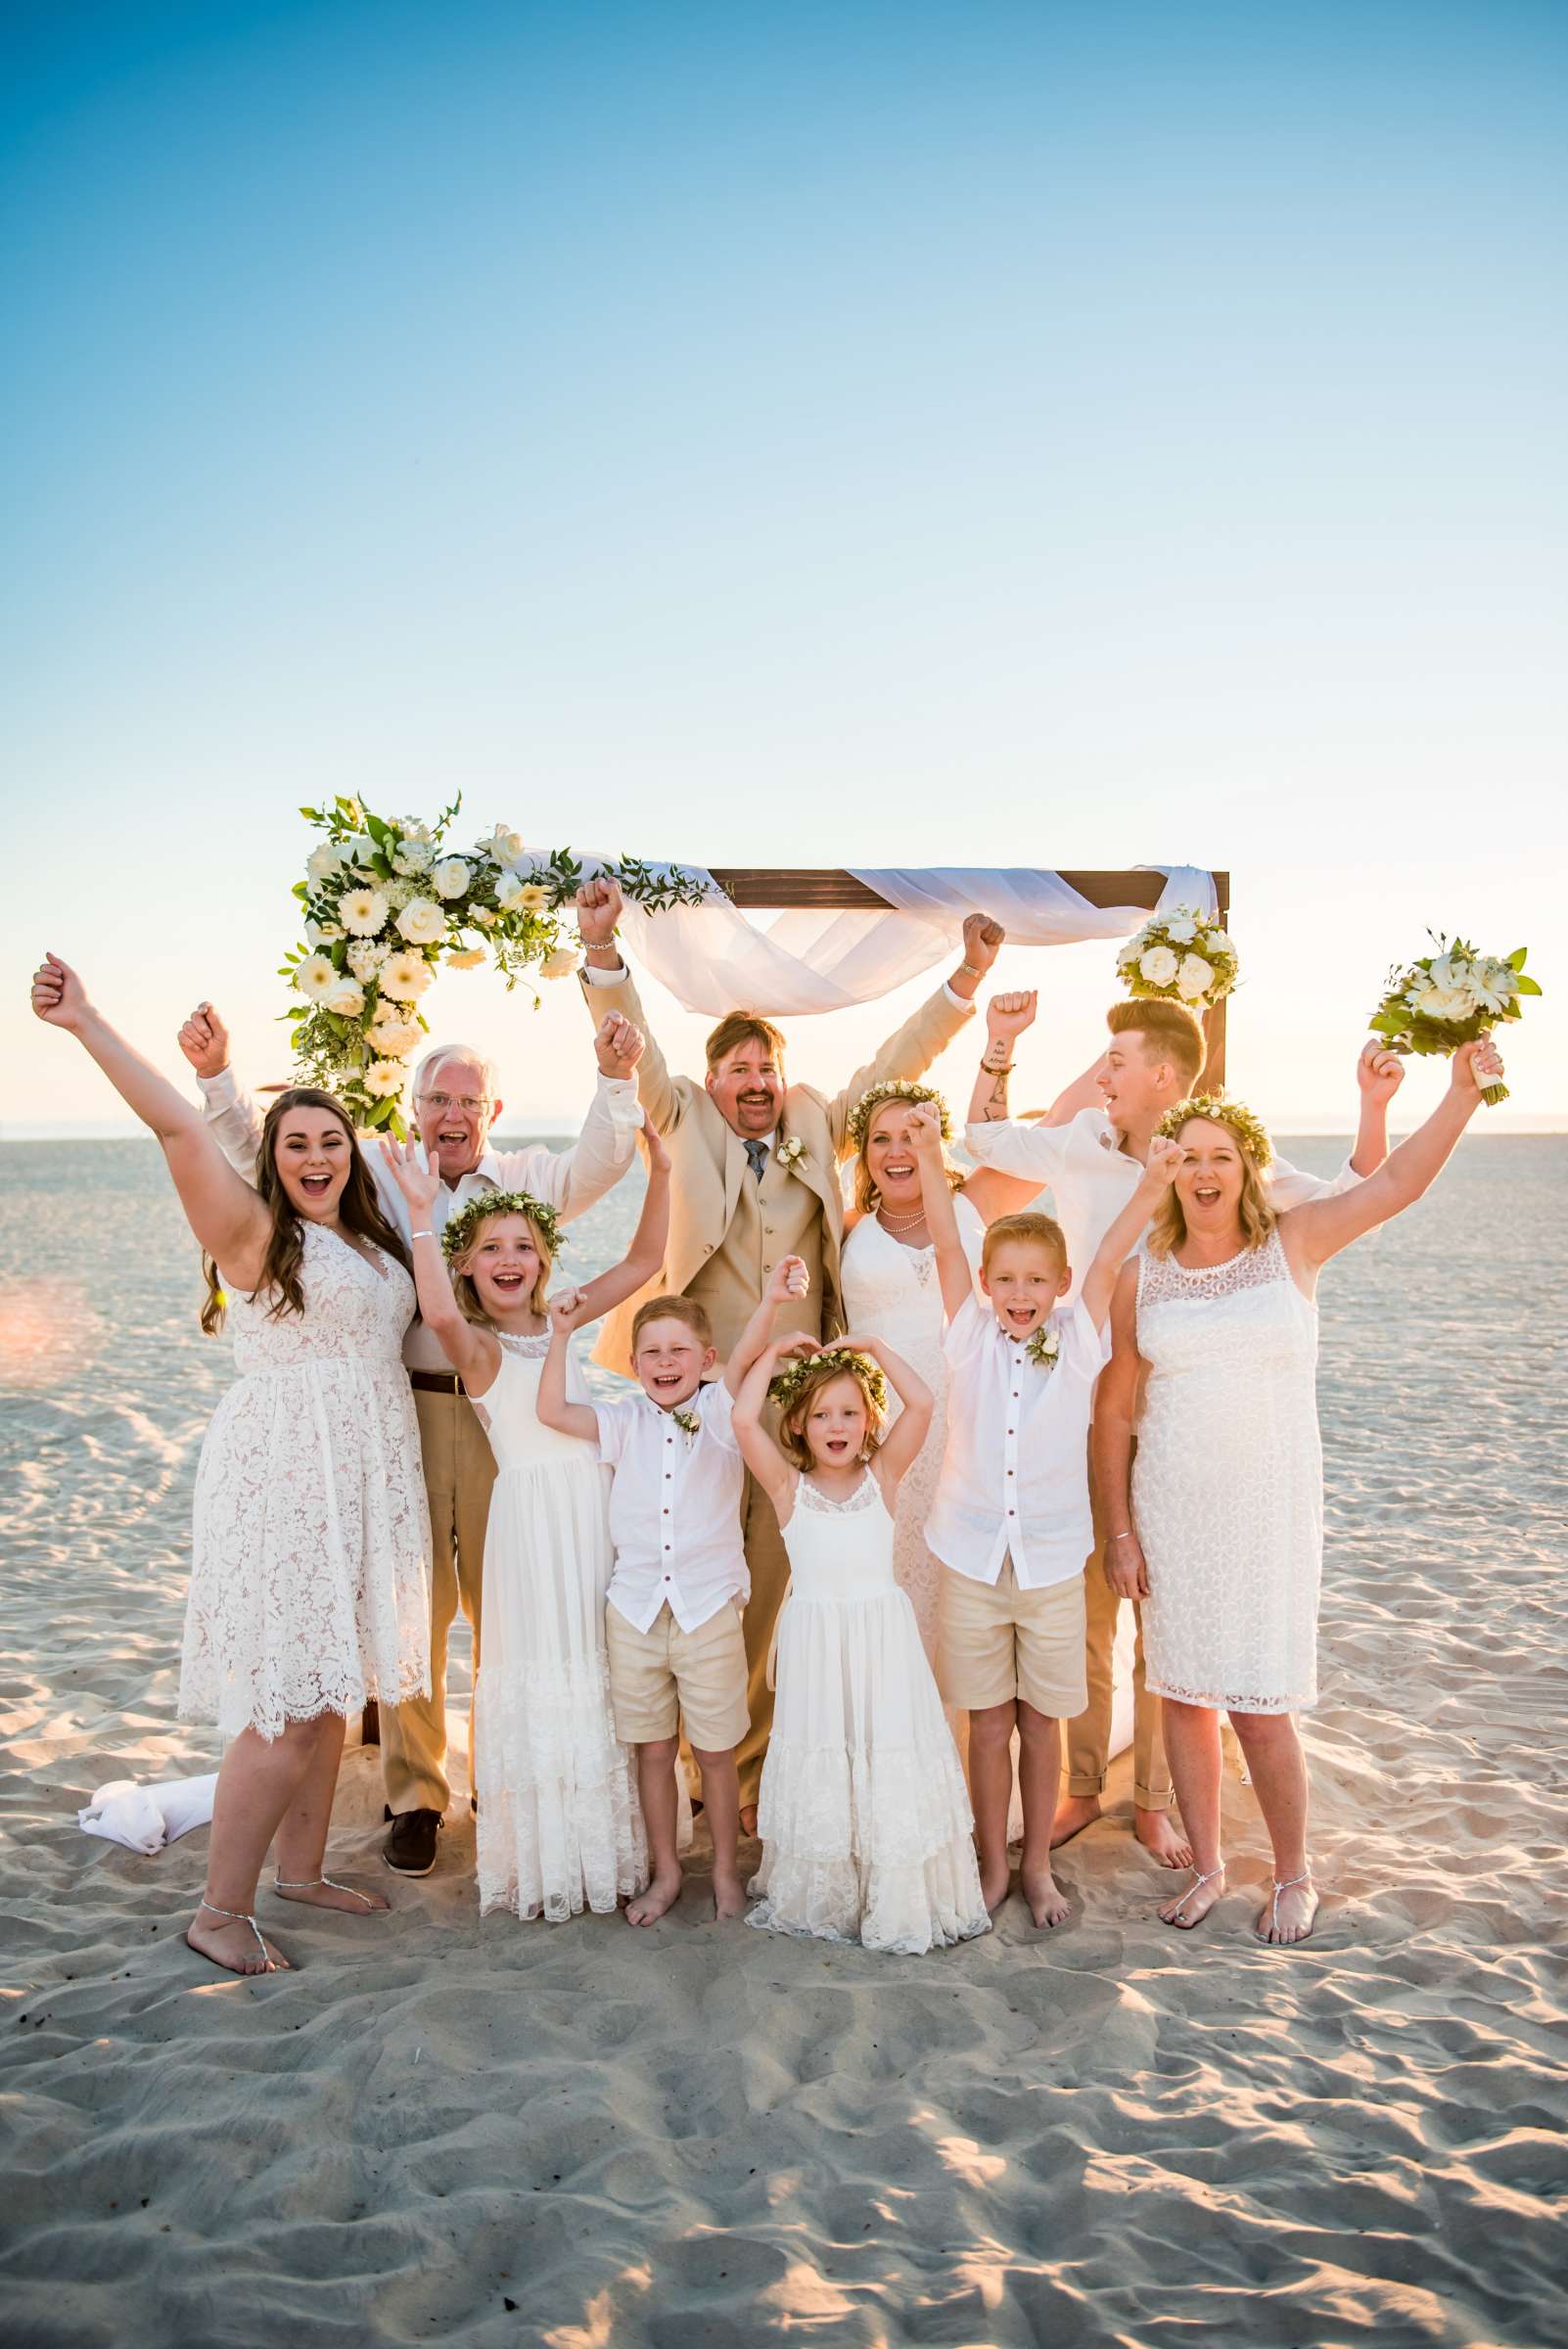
(972, 968)
(1123, 1537)
(422, 1235)
(989, 1068)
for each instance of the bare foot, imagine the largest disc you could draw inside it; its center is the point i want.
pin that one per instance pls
(729, 1895)
(1074, 1813)
(748, 1818)
(230, 1942)
(1191, 1907)
(649, 1906)
(1043, 1894)
(323, 1895)
(995, 1881)
(1161, 1838)
(1290, 1915)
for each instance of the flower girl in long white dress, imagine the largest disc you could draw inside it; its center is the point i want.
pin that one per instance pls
(559, 1826)
(864, 1820)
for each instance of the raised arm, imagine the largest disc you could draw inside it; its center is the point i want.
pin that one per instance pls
(1164, 1158)
(474, 1353)
(551, 1406)
(645, 1257)
(791, 1282)
(221, 1208)
(900, 1446)
(232, 1116)
(1313, 1234)
(910, 1050)
(607, 987)
(1111, 1442)
(571, 1180)
(1006, 1017)
(1379, 1074)
(757, 1449)
(954, 1274)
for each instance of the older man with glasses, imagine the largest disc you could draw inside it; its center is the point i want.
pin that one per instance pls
(455, 1105)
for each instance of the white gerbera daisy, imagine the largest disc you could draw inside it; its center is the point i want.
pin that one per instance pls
(363, 910)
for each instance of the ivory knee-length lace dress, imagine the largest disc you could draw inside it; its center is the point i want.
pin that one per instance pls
(560, 1828)
(1228, 1482)
(310, 1534)
(863, 1815)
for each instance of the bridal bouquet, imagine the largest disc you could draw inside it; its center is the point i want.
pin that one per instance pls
(1184, 955)
(386, 900)
(1450, 998)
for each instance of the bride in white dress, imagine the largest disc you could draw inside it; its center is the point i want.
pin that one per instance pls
(1218, 1526)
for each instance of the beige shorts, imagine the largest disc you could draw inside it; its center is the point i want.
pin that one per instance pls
(664, 1677)
(999, 1642)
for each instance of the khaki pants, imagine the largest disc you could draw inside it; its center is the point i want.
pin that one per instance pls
(769, 1565)
(1088, 1737)
(459, 1471)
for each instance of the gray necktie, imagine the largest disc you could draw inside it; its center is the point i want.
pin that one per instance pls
(756, 1152)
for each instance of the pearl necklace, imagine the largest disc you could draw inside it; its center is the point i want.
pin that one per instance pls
(893, 1223)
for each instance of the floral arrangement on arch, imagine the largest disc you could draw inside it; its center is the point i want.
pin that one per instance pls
(388, 899)
(1184, 955)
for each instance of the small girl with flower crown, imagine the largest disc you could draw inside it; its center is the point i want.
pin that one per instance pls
(863, 1816)
(559, 1826)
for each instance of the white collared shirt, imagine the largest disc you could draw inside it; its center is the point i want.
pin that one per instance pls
(1015, 1470)
(674, 1508)
(1092, 1177)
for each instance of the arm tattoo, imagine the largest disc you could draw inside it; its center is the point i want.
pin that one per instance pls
(995, 1106)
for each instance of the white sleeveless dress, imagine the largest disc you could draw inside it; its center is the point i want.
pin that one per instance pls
(310, 1532)
(894, 1294)
(1228, 1483)
(559, 1829)
(863, 1815)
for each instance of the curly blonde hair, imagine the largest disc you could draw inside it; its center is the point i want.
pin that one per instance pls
(1169, 1227)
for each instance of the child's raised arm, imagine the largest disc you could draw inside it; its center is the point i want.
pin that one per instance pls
(790, 1283)
(900, 1448)
(757, 1449)
(474, 1353)
(644, 1259)
(1099, 1282)
(551, 1405)
(936, 1194)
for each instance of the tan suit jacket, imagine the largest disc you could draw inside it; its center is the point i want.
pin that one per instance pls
(728, 1230)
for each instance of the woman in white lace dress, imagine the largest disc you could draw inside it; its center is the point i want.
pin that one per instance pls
(560, 1828)
(889, 1281)
(1217, 1526)
(863, 1816)
(311, 1539)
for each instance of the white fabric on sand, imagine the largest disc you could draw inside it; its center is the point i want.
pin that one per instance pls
(146, 1817)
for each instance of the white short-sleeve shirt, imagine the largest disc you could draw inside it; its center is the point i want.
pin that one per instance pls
(674, 1507)
(1015, 1472)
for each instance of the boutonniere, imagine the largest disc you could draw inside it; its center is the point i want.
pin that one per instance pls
(688, 1422)
(1044, 1348)
(792, 1151)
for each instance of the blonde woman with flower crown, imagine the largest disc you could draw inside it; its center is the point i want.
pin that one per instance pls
(1217, 1526)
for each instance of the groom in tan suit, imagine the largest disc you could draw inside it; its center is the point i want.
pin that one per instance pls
(754, 1179)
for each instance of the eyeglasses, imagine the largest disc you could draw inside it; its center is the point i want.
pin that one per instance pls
(473, 1103)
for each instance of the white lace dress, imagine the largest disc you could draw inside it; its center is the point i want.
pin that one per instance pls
(863, 1816)
(311, 1535)
(892, 1293)
(1228, 1483)
(559, 1828)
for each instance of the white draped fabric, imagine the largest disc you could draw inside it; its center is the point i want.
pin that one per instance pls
(713, 957)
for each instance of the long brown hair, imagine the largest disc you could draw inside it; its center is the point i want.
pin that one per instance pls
(358, 1210)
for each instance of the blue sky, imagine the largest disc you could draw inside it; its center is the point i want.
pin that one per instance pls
(932, 433)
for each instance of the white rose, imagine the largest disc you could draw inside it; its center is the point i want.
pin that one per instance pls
(466, 958)
(365, 959)
(394, 1037)
(384, 1078)
(558, 964)
(363, 910)
(505, 846)
(347, 998)
(322, 862)
(1181, 929)
(1446, 1002)
(420, 922)
(451, 877)
(1194, 977)
(1219, 941)
(1127, 955)
(1159, 966)
(483, 916)
(508, 890)
(316, 976)
(404, 976)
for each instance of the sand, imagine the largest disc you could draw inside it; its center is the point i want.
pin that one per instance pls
(443, 2128)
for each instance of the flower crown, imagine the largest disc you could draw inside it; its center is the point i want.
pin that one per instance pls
(830, 1363)
(461, 1228)
(893, 1088)
(1247, 1129)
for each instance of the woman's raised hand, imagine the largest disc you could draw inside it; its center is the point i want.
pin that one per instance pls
(417, 1179)
(1008, 1015)
(1379, 1071)
(925, 1127)
(1473, 1066)
(58, 996)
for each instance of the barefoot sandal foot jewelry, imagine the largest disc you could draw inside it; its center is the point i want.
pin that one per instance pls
(309, 1883)
(1199, 1879)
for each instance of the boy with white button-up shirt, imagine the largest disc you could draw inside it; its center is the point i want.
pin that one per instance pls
(673, 1616)
(1012, 1512)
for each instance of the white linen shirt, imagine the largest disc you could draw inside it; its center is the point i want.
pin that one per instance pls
(1092, 1177)
(1015, 1470)
(674, 1508)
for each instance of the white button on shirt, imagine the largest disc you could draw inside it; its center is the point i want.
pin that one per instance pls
(674, 1508)
(1015, 1470)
